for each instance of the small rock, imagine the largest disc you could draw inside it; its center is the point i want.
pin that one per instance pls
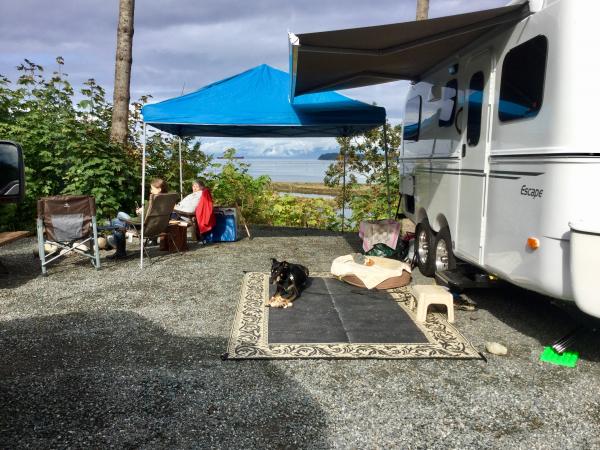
(496, 349)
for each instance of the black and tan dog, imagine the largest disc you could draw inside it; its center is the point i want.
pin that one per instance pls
(290, 279)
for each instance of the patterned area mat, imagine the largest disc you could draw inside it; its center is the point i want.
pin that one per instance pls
(250, 334)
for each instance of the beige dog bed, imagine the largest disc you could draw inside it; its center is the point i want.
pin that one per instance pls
(385, 273)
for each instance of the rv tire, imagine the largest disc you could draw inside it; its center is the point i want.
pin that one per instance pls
(424, 248)
(442, 249)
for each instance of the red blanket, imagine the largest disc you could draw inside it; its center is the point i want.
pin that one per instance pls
(204, 212)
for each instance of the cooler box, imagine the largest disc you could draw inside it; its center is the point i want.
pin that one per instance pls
(227, 227)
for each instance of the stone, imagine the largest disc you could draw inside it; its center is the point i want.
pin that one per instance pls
(495, 348)
(50, 248)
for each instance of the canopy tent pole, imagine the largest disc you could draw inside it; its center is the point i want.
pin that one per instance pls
(344, 191)
(180, 172)
(387, 170)
(143, 196)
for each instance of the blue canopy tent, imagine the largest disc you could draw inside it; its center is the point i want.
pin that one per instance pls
(256, 103)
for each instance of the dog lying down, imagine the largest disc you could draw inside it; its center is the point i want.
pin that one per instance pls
(290, 279)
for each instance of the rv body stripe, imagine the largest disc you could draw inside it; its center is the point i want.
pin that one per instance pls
(512, 172)
(548, 155)
(469, 173)
(427, 158)
(501, 174)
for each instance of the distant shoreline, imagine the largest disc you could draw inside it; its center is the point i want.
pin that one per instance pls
(307, 188)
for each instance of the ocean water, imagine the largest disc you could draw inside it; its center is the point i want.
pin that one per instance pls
(288, 170)
(298, 170)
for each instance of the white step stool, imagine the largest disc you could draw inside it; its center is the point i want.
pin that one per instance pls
(426, 295)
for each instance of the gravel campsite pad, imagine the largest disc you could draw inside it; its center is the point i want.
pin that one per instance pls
(128, 358)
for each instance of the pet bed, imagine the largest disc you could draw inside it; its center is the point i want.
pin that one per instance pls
(385, 273)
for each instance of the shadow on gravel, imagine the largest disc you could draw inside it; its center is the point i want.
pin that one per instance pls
(21, 268)
(260, 231)
(116, 379)
(351, 238)
(540, 317)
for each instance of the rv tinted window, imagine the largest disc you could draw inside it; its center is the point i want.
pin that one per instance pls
(412, 119)
(448, 104)
(522, 86)
(475, 100)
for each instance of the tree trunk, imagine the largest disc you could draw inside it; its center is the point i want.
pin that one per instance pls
(119, 127)
(422, 9)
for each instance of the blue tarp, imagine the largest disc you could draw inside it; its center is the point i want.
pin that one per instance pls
(256, 103)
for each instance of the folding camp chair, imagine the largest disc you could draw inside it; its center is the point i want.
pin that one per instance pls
(156, 218)
(68, 223)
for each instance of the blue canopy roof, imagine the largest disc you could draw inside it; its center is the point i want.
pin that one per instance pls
(256, 103)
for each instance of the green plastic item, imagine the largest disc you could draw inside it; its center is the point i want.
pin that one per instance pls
(567, 358)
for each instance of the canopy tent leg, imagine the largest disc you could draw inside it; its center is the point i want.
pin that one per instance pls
(180, 172)
(387, 170)
(143, 196)
(344, 192)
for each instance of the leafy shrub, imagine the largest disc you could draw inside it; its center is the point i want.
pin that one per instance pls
(67, 149)
(259, 204)
(365, 156)
(232, 186)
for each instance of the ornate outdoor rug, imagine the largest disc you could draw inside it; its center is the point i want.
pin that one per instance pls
(333, 319)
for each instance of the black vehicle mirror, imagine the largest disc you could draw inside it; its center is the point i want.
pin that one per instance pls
(12, 172)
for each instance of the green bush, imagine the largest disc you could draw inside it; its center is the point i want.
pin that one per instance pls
(258, 202)
(365, 156)
(67, 149)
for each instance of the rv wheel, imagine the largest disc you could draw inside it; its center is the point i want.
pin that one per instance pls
(424, 248)
(444, 257)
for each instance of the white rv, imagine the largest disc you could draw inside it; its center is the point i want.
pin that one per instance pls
(501, 162)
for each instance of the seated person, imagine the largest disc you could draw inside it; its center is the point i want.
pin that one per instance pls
(187, 207)
(205, 217)
(157, 186)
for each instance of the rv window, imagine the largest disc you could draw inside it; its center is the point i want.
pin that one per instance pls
(475, 100)
(412, 119)
(448, 104)
(522, 86)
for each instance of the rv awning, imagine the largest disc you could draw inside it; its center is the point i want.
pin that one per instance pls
(357, 57)
(256, 103)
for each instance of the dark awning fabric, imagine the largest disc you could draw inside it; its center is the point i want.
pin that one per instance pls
(357, 57)
(256, 103)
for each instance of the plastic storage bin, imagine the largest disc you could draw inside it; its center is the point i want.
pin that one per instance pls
(227, 227)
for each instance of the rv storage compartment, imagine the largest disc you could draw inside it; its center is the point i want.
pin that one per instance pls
(585, 261)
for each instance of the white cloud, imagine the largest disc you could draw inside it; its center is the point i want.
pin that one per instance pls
(271, 147)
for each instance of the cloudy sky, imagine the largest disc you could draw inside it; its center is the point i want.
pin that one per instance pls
(182, 45)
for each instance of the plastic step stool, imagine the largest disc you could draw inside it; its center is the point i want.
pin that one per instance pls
(427, 295)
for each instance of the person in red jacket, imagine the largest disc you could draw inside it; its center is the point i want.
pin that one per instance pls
(205, 217)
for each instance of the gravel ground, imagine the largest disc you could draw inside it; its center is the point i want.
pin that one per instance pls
(123, 358)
